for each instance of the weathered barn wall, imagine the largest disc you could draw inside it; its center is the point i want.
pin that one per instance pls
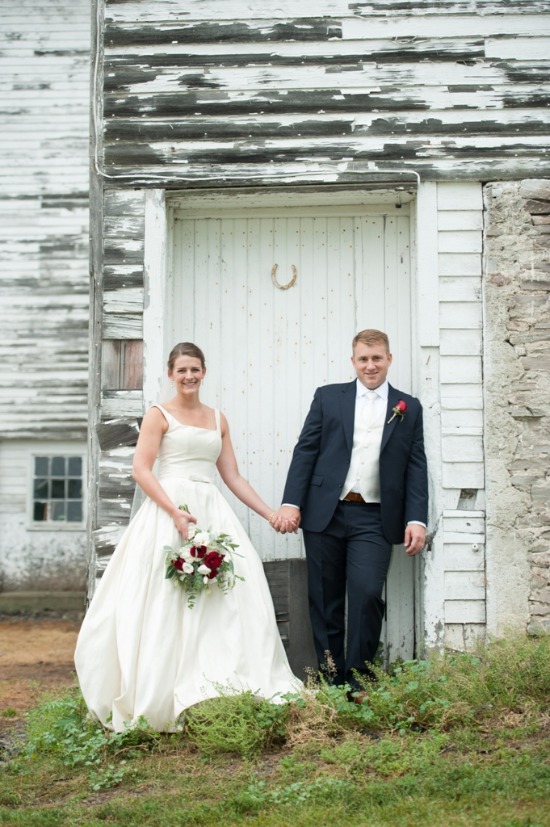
(517, 396)
(34, 558)
(44, 279)
(44, 108)
(237, 91)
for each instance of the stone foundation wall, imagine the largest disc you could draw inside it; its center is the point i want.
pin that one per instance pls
(517, 404)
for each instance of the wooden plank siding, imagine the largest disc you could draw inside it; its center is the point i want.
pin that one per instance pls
(241, 92)
(44, 281)
(44, 284)
(58, 556)
(116, 398)
(459, 243)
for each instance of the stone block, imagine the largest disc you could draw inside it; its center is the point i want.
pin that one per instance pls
(537, 281)
(537, 207)
(527, 336)
(538, 362)
(535, 188)
(539, 625)
(539, 581)
(522, 482)
(517, 325)
(538, 607)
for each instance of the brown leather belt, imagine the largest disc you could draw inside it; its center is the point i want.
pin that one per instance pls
(353, 497)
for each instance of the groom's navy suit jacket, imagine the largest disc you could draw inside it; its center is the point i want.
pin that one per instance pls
(322, 455)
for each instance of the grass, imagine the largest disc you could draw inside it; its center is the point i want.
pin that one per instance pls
(452, 740)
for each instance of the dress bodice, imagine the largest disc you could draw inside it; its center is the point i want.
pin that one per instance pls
(188, 451)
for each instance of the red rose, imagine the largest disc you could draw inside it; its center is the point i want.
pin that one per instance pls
(198, 551)
(398, 410)
(213, 560)
(178, 563)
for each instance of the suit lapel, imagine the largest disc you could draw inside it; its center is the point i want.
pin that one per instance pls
(347, 403)
(393, 399)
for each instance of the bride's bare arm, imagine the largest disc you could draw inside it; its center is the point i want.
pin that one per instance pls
(152, 430)
(229, 472)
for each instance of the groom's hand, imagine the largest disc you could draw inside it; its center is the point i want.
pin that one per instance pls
(415, 538)
(286, 519)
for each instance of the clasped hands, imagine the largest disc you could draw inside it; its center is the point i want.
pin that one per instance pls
(286, 519)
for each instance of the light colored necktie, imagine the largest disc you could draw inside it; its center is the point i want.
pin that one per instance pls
(370, 415)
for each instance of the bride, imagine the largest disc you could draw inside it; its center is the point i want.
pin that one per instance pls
(142, 650)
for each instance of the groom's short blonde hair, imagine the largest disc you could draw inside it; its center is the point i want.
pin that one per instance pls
(371, 337)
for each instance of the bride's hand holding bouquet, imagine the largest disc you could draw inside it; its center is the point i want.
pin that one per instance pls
(202, 561)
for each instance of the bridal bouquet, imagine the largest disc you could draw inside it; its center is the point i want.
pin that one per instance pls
(204, 560)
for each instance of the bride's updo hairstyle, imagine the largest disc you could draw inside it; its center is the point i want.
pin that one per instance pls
(185, 349)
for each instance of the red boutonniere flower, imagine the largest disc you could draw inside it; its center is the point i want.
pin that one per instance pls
(399, 410)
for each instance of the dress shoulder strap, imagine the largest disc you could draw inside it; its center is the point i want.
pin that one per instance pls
(218, 420)
(167, 415)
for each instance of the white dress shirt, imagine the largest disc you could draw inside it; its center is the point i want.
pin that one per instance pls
(363, 475)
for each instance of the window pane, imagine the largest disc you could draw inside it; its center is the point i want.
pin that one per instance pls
(58, 489)
(59, 481)
(75, 466)
(40, 512)
(40, 489)
(41, 466)
(74, 512)
(58, 512)
(58, 466)
(75, 489)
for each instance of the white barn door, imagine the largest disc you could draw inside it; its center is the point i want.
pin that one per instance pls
(269, 345)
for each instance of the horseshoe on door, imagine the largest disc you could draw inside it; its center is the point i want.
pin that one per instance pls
(292, 281)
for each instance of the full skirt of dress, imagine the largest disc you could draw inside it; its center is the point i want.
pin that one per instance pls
(142, 652)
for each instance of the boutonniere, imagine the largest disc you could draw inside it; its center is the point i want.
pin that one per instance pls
(399, 411)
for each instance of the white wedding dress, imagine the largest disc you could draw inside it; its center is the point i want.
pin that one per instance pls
(141, 650)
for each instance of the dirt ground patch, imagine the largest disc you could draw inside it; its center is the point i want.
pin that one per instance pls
(36, 656)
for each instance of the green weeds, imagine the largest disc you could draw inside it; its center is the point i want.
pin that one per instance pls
(242, 724)
(62, 728)
(456, 739)
(323, 788)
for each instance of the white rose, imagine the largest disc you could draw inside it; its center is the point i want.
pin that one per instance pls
(201, 538)
(202, 569)
(188, 568)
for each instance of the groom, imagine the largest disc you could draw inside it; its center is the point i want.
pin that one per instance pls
(357, 484)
